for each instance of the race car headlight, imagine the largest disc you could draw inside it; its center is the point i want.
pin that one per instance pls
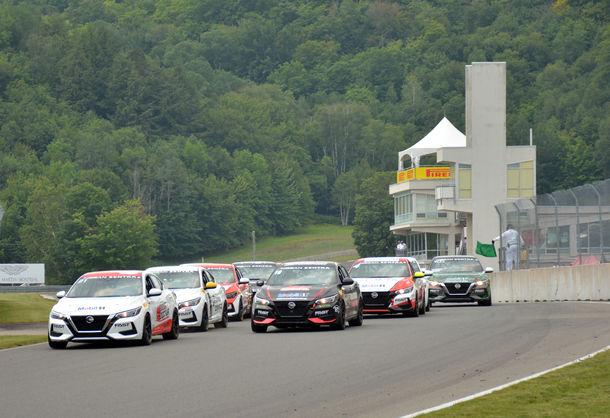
(327, 301)
(260, 301)
(434, 283)
(405, 290)
(129, 313)
(232, 295)
(188, 303)
(57, 315)
(481, 283)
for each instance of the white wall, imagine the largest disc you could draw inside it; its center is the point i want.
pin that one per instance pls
(589, 282)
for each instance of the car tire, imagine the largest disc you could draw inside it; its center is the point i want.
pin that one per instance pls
(422, 310)
(485, 302)
(415, 312)
(240, 311)
(225, 318)
(57, 344)
(175, 331)
(356, 322)
(205, 320)
(428, 305)
(340, 325)
(258, 328)
(146, 332)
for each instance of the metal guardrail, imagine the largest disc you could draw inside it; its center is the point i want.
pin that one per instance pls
(33, 289)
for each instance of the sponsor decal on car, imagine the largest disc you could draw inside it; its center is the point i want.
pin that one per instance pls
(262, 313)
(163, 312)
(293, 296)
(295, 288)
(91, 308)
(321, 313)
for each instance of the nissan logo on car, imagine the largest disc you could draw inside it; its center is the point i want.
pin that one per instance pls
(374, 295)
(89, 319)
(292, 305)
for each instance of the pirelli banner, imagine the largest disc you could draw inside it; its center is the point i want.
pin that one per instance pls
(21, 273)
(424, 173)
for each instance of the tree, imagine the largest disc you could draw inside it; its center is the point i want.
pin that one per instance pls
(374, 215)
(123, 239)
(344, 193)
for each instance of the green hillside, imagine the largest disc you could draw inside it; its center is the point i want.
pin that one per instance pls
(139, 131)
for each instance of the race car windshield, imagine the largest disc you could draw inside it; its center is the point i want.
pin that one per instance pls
(91, 287)
(223, 275)
(179, 280)
(361, 270)
(303, 276)
(454, 265)
(256, 272)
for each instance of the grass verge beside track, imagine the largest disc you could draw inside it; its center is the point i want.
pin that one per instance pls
(24, 308)
(10, 341)
(577, 390)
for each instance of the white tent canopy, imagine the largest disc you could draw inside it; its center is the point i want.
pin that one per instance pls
(442, 136)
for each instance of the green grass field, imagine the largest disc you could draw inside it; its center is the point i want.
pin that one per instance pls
(24, 308)
(312, 240)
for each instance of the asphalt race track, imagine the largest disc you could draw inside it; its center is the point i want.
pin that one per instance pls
(389, 367)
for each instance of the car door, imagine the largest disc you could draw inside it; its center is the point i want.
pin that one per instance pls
(155, 303)
(214, 296)
(350, 294)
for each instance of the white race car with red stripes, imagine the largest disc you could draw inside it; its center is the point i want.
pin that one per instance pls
(391, 285)
(114, 306)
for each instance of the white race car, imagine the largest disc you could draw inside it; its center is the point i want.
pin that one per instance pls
(200, 300)
(114, 305)
(391, 285)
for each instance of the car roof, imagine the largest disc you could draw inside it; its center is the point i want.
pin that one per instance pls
(455, 257)
(210, 265)
(309, 263)
(113, 273)
(384, 259)
(174, 268)
(254, 263)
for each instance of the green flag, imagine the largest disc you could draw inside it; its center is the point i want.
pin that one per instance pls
(486, 250)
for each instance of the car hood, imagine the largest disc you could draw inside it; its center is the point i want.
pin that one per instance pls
(182, 295)
(97, 306)
(377, 284)
(458, 277)
(298, 292)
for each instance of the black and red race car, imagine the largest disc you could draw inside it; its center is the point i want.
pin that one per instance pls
(308, 294)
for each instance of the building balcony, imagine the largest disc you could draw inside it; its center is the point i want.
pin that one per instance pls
(420, 178)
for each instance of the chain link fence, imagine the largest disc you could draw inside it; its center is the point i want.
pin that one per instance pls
(566, 227)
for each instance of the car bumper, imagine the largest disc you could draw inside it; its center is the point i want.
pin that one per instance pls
(303, 317)
(389, 302)
(191, 316)
(74, 330)
(473, 293)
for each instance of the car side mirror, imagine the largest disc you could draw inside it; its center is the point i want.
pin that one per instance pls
(61, 294)
(419, 274)
(155, 292)
(243, 280)
(347, 281)
(428, 273)
(260, 283)
(210, 285)
(489, 270)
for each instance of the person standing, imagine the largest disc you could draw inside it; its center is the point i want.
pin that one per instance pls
(511, 239)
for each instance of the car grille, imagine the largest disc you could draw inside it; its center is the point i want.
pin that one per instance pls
(380, 301)
(299, 310)
(81, 324)
(453, 289)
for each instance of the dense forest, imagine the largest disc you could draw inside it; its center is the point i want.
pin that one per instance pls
(173, 128)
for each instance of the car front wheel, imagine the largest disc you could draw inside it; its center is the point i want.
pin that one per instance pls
(258, 328)
(146, 332)
(356, 322)
(175, 331)
(57, 344)
(205, 320)
(225, 318)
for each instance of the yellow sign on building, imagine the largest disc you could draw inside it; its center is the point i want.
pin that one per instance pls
(424, 173)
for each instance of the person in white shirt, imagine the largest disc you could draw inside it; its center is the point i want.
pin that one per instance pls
(510, 239)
